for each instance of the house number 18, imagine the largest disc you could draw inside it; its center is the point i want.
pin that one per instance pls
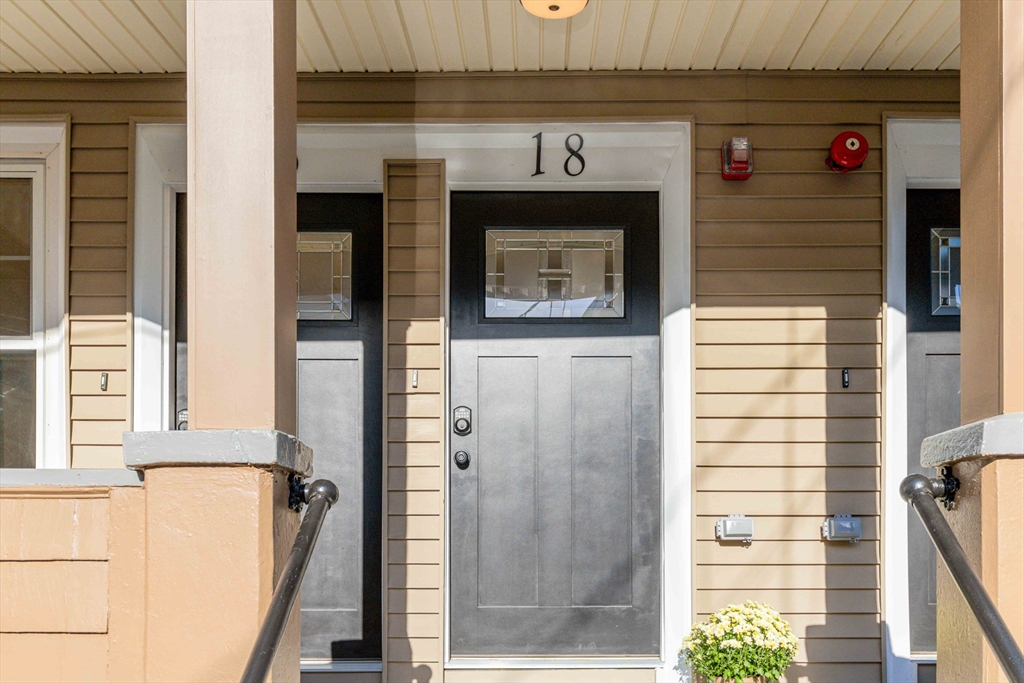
(574, 153)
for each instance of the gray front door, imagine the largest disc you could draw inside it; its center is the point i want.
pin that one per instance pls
(340, 357)
(555, 352)
(933, 371)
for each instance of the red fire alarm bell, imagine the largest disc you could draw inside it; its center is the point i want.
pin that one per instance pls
(848, 152)
(737, 159)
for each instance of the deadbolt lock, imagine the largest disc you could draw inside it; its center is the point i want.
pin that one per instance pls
(462, 421)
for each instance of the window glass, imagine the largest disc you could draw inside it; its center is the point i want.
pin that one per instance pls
(945, 271)
(15, 257)
(325, 276)
(554, 274)
(18, 409)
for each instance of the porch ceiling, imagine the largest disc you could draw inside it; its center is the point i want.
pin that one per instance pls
(132, 36)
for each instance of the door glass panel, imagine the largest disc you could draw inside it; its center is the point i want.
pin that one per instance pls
(325, 276)
(18, 409)
(945, 244)
(554, 274)
(15, 257)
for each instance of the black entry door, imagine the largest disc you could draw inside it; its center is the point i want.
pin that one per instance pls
(556, 459)
(933, 371)
(340, 356)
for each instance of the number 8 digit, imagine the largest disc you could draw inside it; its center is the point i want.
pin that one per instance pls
(574, 153)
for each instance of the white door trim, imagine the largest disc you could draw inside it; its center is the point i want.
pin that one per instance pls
(159, 175)
(920, 153)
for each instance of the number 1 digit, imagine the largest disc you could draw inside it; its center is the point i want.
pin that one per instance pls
(538, 138)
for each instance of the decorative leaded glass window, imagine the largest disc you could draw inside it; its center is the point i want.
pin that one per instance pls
(945, 271)
(554, 274)
(325, 276)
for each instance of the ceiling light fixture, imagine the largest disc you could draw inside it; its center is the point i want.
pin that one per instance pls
(553, 9)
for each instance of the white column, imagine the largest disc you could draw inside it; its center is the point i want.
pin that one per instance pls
(241, 214)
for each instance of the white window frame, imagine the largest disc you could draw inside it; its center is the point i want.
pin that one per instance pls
(921, 153)
(39, 150)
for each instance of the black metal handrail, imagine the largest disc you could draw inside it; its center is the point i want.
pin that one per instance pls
(921, 492)
(320, 495)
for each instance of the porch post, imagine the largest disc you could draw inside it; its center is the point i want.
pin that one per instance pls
(218, 524)
(241, 214)
(990, 506)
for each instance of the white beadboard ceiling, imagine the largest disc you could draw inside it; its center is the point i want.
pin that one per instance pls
(131, 36)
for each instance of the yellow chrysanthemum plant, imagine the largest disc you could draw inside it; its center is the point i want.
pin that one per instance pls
(748, 641)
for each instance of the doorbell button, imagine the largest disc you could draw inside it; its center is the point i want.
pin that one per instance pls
(462, 421)
(461, 459)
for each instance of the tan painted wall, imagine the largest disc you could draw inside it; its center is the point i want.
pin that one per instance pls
(788, 291)
(71, 567)
(168, 582)
(216, 540)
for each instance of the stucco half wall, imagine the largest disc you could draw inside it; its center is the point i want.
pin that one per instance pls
(107, 579)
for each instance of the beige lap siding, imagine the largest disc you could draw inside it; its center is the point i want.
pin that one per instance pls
(789, 273)
(414, 195)
(99, 254)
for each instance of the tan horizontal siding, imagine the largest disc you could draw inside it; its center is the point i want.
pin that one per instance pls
(414, 568)
(787, 454)
(789, 355)
(789, 274)
(768, 232)
(99, 255)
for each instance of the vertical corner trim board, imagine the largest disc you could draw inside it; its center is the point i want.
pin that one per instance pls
(414, 204)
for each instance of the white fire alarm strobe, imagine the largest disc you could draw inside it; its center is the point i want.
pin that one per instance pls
(842, 528)
(735, 528)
